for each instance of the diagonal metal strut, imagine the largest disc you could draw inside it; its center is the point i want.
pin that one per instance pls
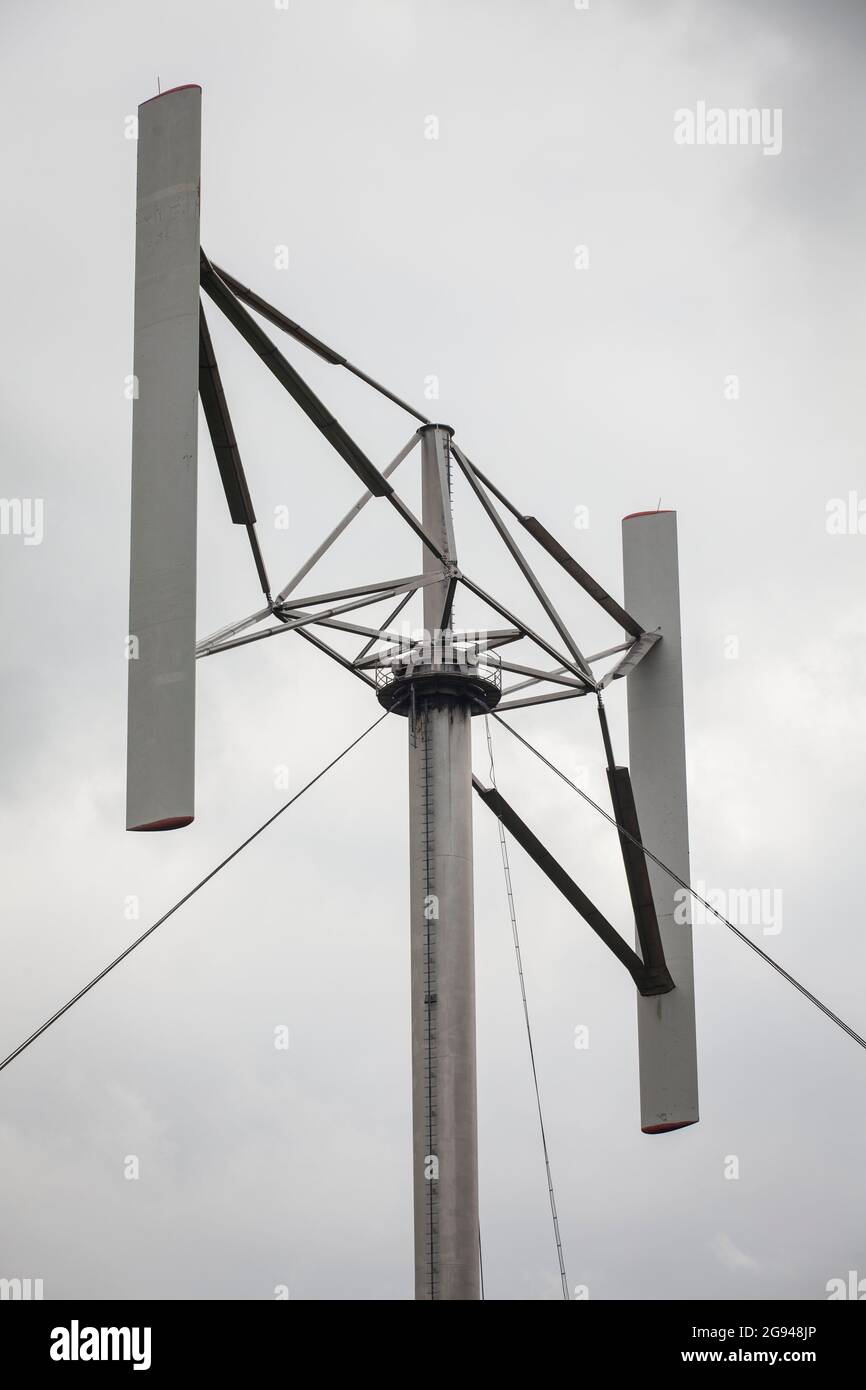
(649, 978)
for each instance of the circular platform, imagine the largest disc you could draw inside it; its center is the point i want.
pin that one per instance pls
(478, 686)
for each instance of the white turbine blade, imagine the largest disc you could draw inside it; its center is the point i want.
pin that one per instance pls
(657, 759)
(161, 711)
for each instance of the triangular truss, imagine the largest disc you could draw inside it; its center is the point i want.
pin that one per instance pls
(386, 653)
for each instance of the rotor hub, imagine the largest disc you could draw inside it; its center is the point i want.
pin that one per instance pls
(473, 683)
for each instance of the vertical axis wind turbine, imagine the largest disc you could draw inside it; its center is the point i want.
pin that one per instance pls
(437, 681)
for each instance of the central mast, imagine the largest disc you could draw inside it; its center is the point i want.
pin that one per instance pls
(438, 692)
(442, 925)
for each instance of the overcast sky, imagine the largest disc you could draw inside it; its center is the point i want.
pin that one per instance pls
(606, 387)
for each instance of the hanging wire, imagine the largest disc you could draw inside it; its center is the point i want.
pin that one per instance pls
(503, 845)
(807, 994)
(185, 899)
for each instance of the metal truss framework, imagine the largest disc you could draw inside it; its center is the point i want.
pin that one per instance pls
(573, 668)
(572, 677)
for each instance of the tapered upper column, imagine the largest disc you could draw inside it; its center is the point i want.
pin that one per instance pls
(657, 758)
(161, 711)
(436, 517)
